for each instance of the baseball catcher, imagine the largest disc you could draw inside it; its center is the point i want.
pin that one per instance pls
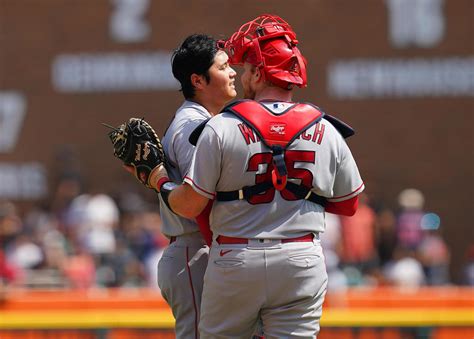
(138, 146)
(264, 239)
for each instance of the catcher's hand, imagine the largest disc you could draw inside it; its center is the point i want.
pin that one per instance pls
(138, 146)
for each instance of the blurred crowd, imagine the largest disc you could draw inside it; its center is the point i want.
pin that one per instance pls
(380, 246)
(81, 240)
(92, 240)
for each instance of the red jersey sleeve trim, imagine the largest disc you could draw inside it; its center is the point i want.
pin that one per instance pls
(348, 196)
(199, 189)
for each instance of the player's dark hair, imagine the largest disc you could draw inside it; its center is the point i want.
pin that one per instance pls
(194, 56)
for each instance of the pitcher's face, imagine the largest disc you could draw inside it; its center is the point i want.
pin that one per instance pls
(222, 78)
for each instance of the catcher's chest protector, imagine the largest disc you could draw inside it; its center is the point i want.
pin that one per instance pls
(277, 131)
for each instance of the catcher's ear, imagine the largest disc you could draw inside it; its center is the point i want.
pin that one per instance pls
(257, 74)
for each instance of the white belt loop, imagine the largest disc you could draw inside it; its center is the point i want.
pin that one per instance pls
(241, 194)
(307, 195)
(264, 243)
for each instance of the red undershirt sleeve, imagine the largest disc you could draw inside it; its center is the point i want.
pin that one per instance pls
(346, 207)
(203, 222)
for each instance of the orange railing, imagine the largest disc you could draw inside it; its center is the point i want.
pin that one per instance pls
(437, 313)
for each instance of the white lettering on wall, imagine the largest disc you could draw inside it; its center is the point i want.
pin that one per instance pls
(12, 113)
(417, 23)
(22, 181)
(113, 72)
(376, 78)
(127, 22)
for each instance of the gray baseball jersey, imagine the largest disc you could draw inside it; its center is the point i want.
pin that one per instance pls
(283, 282)
(179, 153)
(229, 156)
(183, 263)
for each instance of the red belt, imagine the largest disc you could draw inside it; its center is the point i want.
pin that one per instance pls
(222, 239)
(172, 240)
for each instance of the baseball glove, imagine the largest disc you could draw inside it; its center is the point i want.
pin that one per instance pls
(138, 146)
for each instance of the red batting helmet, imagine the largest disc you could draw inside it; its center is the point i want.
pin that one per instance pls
(269, 43)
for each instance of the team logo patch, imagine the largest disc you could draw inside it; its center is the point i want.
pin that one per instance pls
(277, 128)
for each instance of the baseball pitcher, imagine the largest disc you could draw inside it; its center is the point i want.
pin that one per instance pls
(207, 83)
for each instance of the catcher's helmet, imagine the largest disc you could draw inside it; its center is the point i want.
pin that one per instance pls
(269, 43)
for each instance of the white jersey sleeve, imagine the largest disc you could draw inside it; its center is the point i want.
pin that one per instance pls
(206, 164)
(335, 173)
(179, 152)
(347, 181)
